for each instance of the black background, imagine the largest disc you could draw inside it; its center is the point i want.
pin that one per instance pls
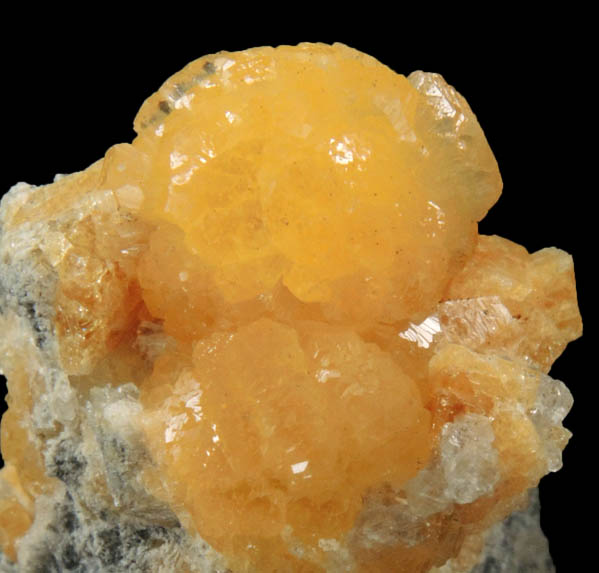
(71, 90)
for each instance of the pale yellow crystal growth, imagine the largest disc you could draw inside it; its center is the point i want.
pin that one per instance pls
(335, 371)
(325, 171)
(16, 510)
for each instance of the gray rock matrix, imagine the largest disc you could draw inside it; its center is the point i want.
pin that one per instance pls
(517, 544)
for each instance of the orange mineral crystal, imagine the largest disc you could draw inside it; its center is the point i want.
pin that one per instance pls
(268, 334)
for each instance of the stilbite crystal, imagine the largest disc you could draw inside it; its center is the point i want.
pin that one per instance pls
(266, 336)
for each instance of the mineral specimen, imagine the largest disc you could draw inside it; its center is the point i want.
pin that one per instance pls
(266, 335)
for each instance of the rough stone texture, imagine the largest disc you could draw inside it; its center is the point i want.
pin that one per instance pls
(517, 544)
(70, 539)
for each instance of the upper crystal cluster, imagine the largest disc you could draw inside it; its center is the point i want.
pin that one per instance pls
(271, 319)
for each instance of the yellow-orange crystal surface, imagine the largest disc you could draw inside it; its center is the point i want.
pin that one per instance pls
(286, 263)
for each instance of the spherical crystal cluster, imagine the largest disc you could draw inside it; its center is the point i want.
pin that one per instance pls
(270, 324)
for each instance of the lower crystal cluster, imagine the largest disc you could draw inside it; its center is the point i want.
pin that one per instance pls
(266, 336)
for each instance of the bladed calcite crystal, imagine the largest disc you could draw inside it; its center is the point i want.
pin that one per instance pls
(266, 335)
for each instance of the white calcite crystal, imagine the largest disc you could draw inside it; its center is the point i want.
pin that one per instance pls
(466, 467)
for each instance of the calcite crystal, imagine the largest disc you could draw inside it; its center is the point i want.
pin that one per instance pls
(266, 335)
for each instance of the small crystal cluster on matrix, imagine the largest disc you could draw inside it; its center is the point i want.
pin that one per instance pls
(266, 335)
